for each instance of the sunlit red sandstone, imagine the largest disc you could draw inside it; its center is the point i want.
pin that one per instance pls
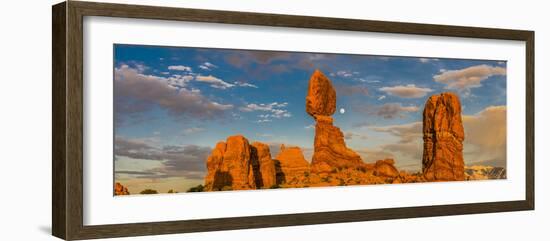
(236, 165)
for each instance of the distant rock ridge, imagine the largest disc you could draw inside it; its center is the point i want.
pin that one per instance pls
(442, 158)
(484, 172)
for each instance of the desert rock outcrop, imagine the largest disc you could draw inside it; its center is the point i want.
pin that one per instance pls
(442, 158)
(263, 165)
(229, 166)
(330, 149)
(121, 190)
(290, 163)
(238, 165)
(385, 168)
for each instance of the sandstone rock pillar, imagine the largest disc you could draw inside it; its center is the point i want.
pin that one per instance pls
(330, 149)
(442, 159)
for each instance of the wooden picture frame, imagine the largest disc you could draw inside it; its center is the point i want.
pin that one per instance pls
(67, 124)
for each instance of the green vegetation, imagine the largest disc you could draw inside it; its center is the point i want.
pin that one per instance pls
(149, 191)
(172, 191)
(199, 188)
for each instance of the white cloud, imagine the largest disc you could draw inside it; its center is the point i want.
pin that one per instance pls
(406, 132)
(214, 82)
(179, 81)
(275, 110)
(406, 91)
(207, 66)
(382, 97)
(136, 92)
(348, 135)
(263, 120)
(263, 107)
(244, 84)
(424, 60)
(193, 130)
(467, 78)
(427, 60)
(344, 73)
(180, 68)
(485, 136)
(394, 110)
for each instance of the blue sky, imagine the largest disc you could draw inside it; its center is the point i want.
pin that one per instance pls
(172, 104)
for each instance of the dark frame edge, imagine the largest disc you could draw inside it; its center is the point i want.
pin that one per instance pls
(59, 181)
(301, 219)
(530, 119)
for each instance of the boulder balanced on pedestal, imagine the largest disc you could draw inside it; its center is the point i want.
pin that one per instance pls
(330, 149)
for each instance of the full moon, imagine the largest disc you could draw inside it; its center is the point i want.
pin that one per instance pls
(342, 111)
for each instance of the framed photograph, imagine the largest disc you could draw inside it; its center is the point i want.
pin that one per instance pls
(171, 120)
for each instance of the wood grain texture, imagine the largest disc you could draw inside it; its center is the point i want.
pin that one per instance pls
(67, 138)
(58, 121)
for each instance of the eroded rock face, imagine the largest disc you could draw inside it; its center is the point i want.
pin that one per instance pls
(238, 165)
(230, 167)
(321, 96)
(290, 163)
(442, 158)
(121, 190)
(213, 165)
(386, 168)
(263, 165)
(330, 149)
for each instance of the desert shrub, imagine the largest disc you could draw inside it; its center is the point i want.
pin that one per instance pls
(306, 174)
(334, 170)
(227, 188)
(149, 191)
(199, 188)
(275, 186)
(342, 183)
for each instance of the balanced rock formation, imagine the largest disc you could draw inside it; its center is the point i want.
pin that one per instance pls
(442, 158)
(237, 165)
(321, 96)
(290, 164)
(121, 190)
(330, 149)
